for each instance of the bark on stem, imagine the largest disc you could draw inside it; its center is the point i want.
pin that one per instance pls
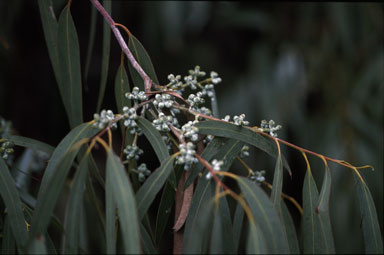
(147, 80)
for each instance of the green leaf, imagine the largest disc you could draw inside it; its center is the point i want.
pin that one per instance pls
(371, 227)
(31, 143)
(144, 61)
(313, 240)
(70, 72)
(121, 87)
(237, 225)
(148, 246)
(74, 207)
(38, 246)
(166, 202)
(125, 201)
(105, 59)
(277, 184)
(199, 233)
(289, 229)
(256, 243)
(154, 137)
(55, 175)
(91, 42)
(265, 216)
(223, 129)
(8, 244)
(203, 192)
(148, 191)
(222, 239)
(10, 196)
(49, 22)
(110, 214)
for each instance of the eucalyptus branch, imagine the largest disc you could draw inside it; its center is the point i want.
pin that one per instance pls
(147, 80)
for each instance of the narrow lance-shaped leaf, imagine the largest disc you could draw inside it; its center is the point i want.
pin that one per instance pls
(74, 207)
(12, 202)
(289, 229)
(277, 184)
(265, 216)
(256, 243)
(237, 225)
(110, 215)
(313, 241)
(125, 201)
(147, 193)
(371, 231)
(223, 129)
(105, 55)
(121, 87)
(31, 143)
(70, 72)
(146, 241)
(38, 246)
(144, 61)
(154, 137)
(91, 42)
(8, 244)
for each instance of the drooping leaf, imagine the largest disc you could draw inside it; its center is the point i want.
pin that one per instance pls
(54, 177)
(256, 243)
(223, 129)
(148, 191)
(121, 87)
(146, 241)
(142, 57)
(8, 244)
(10, 196)
(277, 184)
(38, 246)
(110, 215)
(313, 241)
(49, 22)
(222, 239)
(31, 143)
(371, 228)
(154, 137)
(105, 55)
(237, 225)
(70, 71)
(125, 201)
(74, 209)
(289, 230)
(266, 217)
(91, 41)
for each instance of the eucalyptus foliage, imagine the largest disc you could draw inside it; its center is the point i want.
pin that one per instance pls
(112, 186)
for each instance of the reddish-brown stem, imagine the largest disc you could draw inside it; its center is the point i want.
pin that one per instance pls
(206, 164)
(123, 45)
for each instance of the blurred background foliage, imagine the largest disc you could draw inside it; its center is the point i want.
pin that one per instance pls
(315, 68)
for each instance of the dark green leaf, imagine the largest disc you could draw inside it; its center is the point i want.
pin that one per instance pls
(48, 19)
(148, 191)
(223, 129)
(74, 208)
(121, 87)
(125, 201)
(166, 202)
(371, 227)
(146, 241)
(237, 225)
(222, 239)
(144, 61)
(105, 59)
(110, 214)
(266, 217)
(31, 143)
(8, 244)
(313, 241)
(91, 42)
(70, 72)
(289, 229)
(154, 137)
(12, 202)
(256, 243)
(277, 184)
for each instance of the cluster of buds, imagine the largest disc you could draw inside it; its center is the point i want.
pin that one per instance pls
(215, 79)
(6, 149)
(133, 152)
(130, 117)
(216, 166)
(163, 122)
(187, 155)
(258, 176)
(103, 119)
(237, 120)
(163, 100)
(195, 100)
(270, 127)
(190, 131)
(175, 82)
(143, 172)
(196, 73)
(191, 81)
(136, 94)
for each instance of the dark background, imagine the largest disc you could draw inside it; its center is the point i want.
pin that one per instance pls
(315, 68)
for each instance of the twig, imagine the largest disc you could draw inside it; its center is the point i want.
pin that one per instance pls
(147, 80)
